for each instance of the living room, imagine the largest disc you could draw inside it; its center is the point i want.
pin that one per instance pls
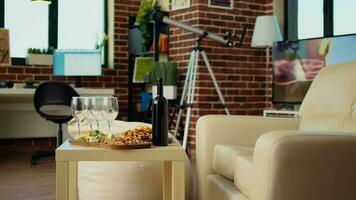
(177, 99)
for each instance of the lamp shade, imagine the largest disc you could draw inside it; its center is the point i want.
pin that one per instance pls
(42, 1)
(266, 32)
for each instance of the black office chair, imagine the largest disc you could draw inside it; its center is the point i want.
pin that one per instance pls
(52, 101)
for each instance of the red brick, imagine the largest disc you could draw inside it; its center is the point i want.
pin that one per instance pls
(21, 77)
(58, 78)
(105, 78)
(8, 76)
(46, 70)
(90, 78)
(110, 72)
(15, 70)
(32, 70)
(42, 77)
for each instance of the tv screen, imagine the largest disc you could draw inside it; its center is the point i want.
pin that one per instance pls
(296, 63)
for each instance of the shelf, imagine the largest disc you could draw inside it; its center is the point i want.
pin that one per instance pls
(148, 53)
(135, 51)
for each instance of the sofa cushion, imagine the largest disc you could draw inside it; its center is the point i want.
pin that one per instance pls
(331, 105)
(225, 156)
(221, 188)
(243, 173)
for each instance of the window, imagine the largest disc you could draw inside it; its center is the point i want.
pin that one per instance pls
(28, 26)
(80, 30)
(310, 19)
(319, 18)
(344, 16)
(64, 24)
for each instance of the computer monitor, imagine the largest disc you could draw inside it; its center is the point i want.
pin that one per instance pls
(77, 63)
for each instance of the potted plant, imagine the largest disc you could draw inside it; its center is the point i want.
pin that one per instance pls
(168, 72)
(29, 82)
(101, 44)
(36, 56)
(143, 20)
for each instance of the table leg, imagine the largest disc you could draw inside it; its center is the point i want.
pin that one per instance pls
(73, 180)
(62, 180)
(167, 180)
(178, 170)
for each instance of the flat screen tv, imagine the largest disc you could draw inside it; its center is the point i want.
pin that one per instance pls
(296, 63)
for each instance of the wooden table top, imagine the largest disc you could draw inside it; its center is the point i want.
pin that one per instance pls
(68, 152)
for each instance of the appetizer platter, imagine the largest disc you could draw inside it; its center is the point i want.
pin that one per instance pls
(137, 138)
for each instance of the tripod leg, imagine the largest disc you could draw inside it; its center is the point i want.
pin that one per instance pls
(185, 90)
(190, 100)
(217, 88)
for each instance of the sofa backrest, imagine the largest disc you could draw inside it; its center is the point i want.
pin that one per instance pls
(330, 103)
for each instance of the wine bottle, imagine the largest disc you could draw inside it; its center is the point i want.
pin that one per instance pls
(160, 117)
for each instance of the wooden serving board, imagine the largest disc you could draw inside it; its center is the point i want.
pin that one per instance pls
(111, 146)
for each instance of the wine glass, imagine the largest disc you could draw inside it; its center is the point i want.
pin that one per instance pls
(88, 111)
(110, 111)
(78, 110)
(97, 110)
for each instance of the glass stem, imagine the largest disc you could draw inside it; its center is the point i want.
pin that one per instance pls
(78, 128)
(109, 125)
(97, 124)
(91, 126)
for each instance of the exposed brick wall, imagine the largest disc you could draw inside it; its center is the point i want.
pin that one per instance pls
(123, 9)
(116, 78)
(241, 72)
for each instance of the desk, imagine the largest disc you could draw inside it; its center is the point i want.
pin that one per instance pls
(67, 157)
(16, 105)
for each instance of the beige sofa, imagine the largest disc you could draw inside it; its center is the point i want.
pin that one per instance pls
(313, 158)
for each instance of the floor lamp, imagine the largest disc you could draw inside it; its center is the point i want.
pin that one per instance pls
(266, 32)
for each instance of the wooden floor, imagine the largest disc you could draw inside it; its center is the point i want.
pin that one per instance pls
(21, 181)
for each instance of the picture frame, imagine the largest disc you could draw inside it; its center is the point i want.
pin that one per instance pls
(143, 66)
(180, 4)
(5, 58)
(164, 4)
(225, 4)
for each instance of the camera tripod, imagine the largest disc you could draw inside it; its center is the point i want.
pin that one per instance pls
(187, 98)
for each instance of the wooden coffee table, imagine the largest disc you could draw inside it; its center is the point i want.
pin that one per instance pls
(67, 157)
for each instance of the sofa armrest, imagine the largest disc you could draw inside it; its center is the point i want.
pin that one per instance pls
(234, 130)
(298, 165)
